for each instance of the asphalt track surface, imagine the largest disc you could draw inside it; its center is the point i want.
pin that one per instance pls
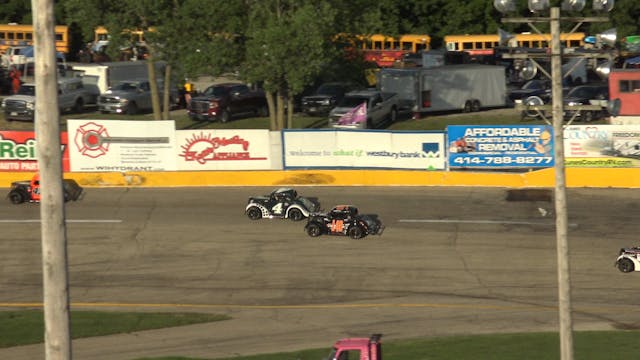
(451, 261)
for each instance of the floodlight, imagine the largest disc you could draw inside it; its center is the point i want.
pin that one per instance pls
(573, 5)
(504, 37)
(505, 6)
(538, 5)
(603, 5)
(607, 37)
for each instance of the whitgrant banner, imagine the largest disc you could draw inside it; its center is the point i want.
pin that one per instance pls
(327, 148)
(223, 149)
(602, 146)
(121, 145)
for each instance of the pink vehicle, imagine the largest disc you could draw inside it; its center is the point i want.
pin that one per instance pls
(357, 349)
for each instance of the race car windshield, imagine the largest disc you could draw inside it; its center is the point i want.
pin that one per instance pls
(307, 203)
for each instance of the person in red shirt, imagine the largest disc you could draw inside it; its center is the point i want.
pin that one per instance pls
(14, 74)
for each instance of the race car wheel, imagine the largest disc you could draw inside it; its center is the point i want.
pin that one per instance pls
(254, 213)
(355, 232)
(16, 197)
(313, 230)
(625, 265)
(295, 215)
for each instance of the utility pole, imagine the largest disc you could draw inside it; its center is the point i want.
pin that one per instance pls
(560, 193)
(53, 228)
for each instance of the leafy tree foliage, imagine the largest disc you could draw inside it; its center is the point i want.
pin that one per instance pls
(285, 45)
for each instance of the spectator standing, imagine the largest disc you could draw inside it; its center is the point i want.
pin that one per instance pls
(14, 75)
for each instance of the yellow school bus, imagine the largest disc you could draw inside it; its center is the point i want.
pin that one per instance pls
(22, 35)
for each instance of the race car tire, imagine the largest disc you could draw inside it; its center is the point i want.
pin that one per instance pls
(625, 265)
(313, 230)
(295, 215)
(16, 197)
(356, 232)
(254, 213)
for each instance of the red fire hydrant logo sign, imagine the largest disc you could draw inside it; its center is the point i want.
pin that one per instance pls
(89, 140)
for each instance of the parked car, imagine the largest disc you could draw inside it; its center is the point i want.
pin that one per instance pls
(344, 220)
(223, 101)
(284, 203)
(72, 94)
(380, 107)
(535, 87)
(325, 98)
(131, 97)
(587, 95)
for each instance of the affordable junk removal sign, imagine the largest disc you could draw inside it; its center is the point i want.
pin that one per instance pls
(500, 146)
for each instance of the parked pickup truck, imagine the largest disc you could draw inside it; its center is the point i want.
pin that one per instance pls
(13, 56)
(131, 97)
(223, 101)
(379, 107)
(72, 94)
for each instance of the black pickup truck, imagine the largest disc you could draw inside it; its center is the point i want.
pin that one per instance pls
(223, 101)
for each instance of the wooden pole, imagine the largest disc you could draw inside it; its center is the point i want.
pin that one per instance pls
(52, 216)
(562, 244)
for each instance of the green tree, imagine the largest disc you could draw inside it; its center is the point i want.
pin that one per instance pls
(288, 45)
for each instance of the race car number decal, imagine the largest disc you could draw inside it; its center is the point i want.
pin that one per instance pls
(337, 225)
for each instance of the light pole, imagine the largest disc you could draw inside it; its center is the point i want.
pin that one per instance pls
(562, 246)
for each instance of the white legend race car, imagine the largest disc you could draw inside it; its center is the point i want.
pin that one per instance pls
(628, 259)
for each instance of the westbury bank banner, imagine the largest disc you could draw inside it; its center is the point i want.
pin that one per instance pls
(500, 146)
(363, 149)
(18, 151)
(602, 146)
(223, 149)
(115, 145)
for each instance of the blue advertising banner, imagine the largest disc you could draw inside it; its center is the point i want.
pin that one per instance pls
(500, 146)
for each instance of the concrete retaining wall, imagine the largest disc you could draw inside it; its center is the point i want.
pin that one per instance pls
(575, 177)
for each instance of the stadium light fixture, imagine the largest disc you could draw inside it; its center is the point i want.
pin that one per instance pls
(537, 6)
(505, 6)
(573, 5)
(603, 5)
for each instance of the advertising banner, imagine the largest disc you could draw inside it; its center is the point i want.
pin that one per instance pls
(602, 146)
(363, 149)
(500, 146)
(18, 151)
(114, 145)
(223, 150)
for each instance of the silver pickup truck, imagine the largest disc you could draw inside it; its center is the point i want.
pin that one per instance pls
(379, 107)
(72, 95)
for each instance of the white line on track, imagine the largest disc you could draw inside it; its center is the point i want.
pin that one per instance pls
(4, 221)
(455, 221)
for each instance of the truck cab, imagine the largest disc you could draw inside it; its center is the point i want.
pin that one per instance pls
(72, 94)
(357, 349)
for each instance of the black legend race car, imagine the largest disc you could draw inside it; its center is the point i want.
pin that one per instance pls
(281, 203)
(29, 190)
(344, 220)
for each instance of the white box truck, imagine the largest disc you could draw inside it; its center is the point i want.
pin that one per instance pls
(465, 87)
(107, 74)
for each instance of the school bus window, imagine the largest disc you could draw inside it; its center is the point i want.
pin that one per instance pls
(59, 37)
(574, 43)
(29, 36)
(396, 45)
(420, 47)
(488, 44)
(467, 46)
(377, 45)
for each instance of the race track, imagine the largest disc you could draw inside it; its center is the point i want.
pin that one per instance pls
(451, 261)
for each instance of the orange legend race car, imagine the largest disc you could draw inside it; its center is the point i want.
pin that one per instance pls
(29, 190)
